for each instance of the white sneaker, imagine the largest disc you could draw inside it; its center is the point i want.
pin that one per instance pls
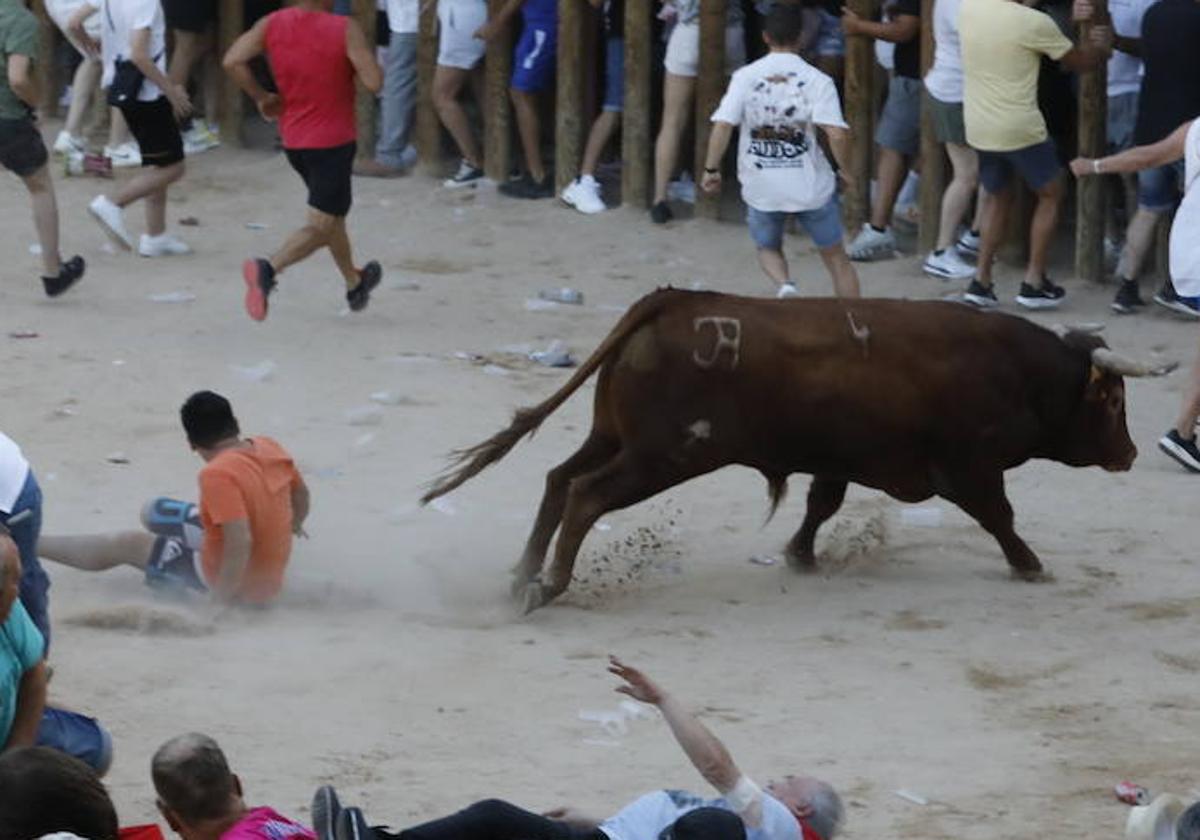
(67, 145)
(199, 139)
(871, 244)
(968, 244)
(948, 265)
(111, 221)
(787, 290)
(163, 245)
(584, 195)
(126, 154)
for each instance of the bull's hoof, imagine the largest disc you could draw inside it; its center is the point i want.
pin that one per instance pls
(533, 596)
(802, 562)
(1038, 575)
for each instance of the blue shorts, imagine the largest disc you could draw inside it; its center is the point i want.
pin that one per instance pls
(533, 59)
(824, 225)
(1037, 165)
(1158, 188)
(900, 125)
(614, 74)
(25, 523)
(831, 40)
(1122, 117)
(78, 736)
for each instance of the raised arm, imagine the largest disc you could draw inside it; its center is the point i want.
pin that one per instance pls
(362, 56)
(1168, 150)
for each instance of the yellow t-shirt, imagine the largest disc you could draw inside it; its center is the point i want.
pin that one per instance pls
(1002, 45)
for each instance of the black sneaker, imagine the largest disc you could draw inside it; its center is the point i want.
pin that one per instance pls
(467, 175)
(352, 825)
(68, 275)
(661, 213)
(528, 188)
(980, 295)
(326, 811)
(1181, 449)
(1169, 298)
(1046, 296)
(368, 278)
(1127, 299)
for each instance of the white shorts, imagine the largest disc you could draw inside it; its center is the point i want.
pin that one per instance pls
(457, 44)
(683, 49)
(61, 11)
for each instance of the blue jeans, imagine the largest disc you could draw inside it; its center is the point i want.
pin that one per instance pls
(399, 99)
(27, 527)
(76, 735)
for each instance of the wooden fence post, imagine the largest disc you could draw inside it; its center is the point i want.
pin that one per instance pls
(497, 121)
(637, 142)
(1093, 141)
(860, 115)
(933, 157)
(710, 86)
(46, 68)
(230, 21)
(365, 102)
(568, 102)
(429, 126)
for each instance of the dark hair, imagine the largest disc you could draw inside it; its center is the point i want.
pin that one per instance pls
(208, 419)
(192, 777)
(784, 24)
(1187, 827)
(46, 791)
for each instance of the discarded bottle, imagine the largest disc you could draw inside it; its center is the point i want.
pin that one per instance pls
(1131, 794)
(563, 295)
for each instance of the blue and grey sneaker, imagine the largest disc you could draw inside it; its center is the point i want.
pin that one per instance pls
(1186, 306)
(173, 518)
(1182, 450)
(326, 811)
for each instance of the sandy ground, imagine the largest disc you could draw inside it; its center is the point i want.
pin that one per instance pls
(394, 666)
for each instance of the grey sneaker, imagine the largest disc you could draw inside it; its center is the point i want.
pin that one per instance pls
(871, 244)
(326, 810)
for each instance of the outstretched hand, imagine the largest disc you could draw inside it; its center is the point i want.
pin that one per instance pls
(1083, 166)
(637, 685)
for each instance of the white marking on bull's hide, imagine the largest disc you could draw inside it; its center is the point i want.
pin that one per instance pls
(861, 334)
(729, 337)
(700, 430)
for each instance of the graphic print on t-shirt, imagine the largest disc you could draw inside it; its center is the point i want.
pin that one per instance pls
(777, 112)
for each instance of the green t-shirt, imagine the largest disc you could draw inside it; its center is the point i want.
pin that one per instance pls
(18, 36)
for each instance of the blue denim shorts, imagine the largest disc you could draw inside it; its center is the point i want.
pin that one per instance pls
(534, 58)
(824, 225)
(1158, 188)
(614, 74)
(830, 38)
(1122, 117)
(1037, 165)
(25, 523)
(76, 735)
(900, 125)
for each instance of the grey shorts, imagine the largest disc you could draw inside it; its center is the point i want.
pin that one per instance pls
(1122, 117)
(947, 117)
(900, 126)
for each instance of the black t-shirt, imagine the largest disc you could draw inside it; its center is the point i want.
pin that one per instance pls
(908, 54)
(614, 18)
(1171, 56)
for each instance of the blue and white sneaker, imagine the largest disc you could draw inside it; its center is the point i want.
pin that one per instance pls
(173, 518)
(1167, 297)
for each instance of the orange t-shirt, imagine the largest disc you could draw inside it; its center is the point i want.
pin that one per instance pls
(253, 483)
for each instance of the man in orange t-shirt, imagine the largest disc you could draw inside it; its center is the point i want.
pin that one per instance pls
(236, 543)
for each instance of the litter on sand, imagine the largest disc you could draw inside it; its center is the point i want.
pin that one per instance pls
(914, 798)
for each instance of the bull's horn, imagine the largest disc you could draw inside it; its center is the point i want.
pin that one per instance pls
(1106, 359)
(1090, 328)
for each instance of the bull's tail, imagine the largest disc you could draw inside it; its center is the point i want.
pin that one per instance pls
(465, 464)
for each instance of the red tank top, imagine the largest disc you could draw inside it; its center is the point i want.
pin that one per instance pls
(307, 53)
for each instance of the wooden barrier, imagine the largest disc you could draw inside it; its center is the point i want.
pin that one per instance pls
(46, 69)
(428, 136)
(569, 94)
(497, 120)
(637, 137)
(1093, 142)
(230, 22)
(933, 156)
(710, 86)
(860, 115)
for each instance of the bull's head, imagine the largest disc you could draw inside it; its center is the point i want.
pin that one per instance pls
(1097, 435)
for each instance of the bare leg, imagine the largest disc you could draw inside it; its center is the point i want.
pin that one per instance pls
(982, 200)
(993, 233)
(118, 129)
(87, 76)
(677, 104)
(45, 218)
(339, 249)
(841, 271)
(957, 197)
(99, 552)
(148, 182)
(774, 265)
(447, 84)
(602, 131)
(1139, 237)
(301, 244)
(891, 174)
(529, 126)
(1190, 411)
(1041, 230)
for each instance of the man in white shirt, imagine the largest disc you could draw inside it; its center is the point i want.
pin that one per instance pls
(779, 101)
(398, 99)
(798, 808)
(21, 515)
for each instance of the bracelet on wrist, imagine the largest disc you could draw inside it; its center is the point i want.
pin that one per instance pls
(1096, 165)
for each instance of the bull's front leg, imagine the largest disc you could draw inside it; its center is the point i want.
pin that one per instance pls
(982, 496)
(825, 497)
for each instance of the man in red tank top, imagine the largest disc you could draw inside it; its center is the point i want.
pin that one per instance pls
(315, 57)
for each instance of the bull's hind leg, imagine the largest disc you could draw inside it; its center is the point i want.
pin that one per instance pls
(825, 496)
(594, 452)
(982, 496)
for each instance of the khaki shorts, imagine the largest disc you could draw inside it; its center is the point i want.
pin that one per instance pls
(948, 124)
(683, 49)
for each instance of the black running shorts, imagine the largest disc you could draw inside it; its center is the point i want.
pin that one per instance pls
(326, 173)
(190, 15)
(154, 127)
(22, 151)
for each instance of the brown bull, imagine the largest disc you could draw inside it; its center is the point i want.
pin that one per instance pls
(913, 398)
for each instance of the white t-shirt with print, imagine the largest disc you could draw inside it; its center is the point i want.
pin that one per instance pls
(646, 817)
(119, 19)
(944, 81)
(1185, 245)
(1125, 70)
(778, 101)
(14, 469)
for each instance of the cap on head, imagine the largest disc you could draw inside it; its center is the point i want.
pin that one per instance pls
(208, 419)
(193, 779)
(46, 791)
